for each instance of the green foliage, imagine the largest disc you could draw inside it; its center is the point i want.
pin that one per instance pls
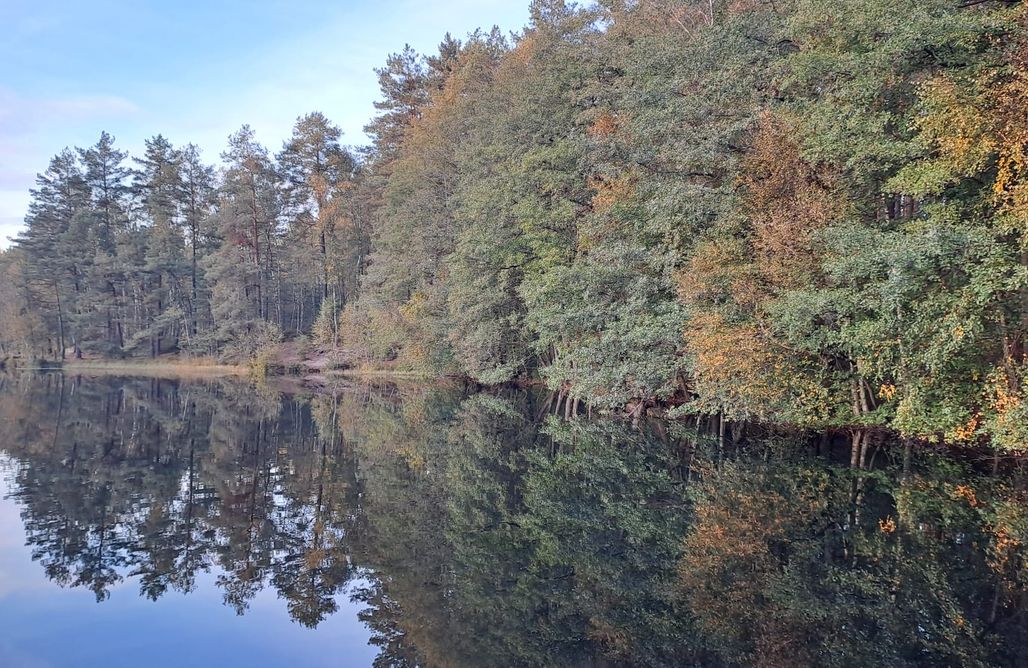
(326, 328)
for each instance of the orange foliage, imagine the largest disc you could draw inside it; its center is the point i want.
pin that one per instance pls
(967, 493)
(1004, 549)
(966, 431)
(980, 124)
(432, 134)
(614, 640)
(609, 192)
(737, 365)
(1011, 100)
(673, 17)
(740, 365)
(788, 202)
(956, 127)
(522, 54)
(605, 125)
(717, 271)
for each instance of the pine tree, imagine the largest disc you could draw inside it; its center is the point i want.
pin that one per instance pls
(316, 172)
(196, 199)
(55, 259)
(157, 184)
(101, 316)
(106, 177)
(243, 269)
(404, 86)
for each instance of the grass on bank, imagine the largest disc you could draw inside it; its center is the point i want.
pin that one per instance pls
(281, 361)
(169, 368)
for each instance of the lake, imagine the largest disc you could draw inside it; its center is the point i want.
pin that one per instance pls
(154, 522)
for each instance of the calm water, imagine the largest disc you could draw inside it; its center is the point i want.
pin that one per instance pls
(158, 523)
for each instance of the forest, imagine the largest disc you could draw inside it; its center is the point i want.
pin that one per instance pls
(787, 211)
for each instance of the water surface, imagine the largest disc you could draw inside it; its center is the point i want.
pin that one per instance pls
(164, 523)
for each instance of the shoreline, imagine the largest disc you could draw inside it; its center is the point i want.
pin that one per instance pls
(326, 381)
(157, 368)
(187, 368)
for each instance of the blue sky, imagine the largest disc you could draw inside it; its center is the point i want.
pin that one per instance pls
(196, 70)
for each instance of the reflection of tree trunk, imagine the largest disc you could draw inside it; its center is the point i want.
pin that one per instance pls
(859, 481)
(822, 443)
(864, 448)
(856, 438)
(897, 555)
(994, 608)
(189, 499)
(256, 477)
(60, 414)
(319, 504)
(103, 536)
(856, 488)
(738, 431)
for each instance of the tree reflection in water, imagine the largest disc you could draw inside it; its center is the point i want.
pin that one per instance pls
(478, 531)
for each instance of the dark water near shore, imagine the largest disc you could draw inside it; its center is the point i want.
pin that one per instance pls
(164, 523)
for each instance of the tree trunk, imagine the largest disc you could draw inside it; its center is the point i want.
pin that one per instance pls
(60, 319)
(324, 266)
(195, 233)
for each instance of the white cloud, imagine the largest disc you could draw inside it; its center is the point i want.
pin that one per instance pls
(19, 113)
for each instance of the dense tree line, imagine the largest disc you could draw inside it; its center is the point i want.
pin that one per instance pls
(168, 255)
(764, 210)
